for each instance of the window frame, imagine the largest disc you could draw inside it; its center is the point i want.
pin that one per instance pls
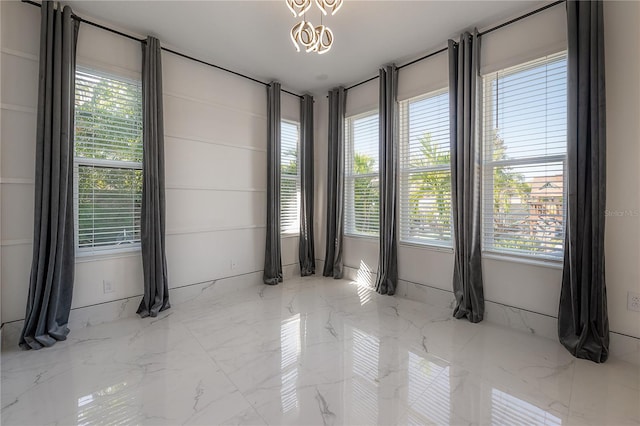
(78, 162)
(349, 177)
(290, 233)
(488, 167)
(405, 173)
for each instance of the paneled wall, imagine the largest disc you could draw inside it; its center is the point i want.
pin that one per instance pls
(19, 49)
(215, 139)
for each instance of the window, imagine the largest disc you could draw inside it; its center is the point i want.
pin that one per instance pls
(108, 161)
(425, 170)
(525, 130)
(289, 178)
(361, 175)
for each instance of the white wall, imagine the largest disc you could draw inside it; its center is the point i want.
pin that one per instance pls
(530, 286)
(320, 154)
(622, 234)
(215, 142)
(19, 49)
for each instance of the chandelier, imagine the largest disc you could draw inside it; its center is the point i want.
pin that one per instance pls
(304, 34)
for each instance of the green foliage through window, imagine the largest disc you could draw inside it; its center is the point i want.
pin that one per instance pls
(108, 160)
(425, 165)
(362, 195)
(525, 130)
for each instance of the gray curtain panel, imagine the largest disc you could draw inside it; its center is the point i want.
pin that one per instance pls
(333, 264)
(306, 250)
(465, 176)
(387, 279)
(153, 217)
(583, 324)
(272, 274)
(53, 262)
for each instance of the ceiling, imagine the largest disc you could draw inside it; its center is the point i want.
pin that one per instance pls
(252, 37)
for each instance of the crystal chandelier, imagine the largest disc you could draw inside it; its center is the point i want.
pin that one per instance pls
(304, 34)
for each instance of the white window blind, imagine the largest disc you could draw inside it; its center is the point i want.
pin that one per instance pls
(108, 161)
(425, 170)
(289, 178)
(525, 131)
(362, 200)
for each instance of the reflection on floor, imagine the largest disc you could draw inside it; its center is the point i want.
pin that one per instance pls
(310, 351)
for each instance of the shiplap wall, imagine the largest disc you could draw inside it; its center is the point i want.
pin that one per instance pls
(215, 127)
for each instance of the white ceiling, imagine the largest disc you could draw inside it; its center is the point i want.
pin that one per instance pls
(252, 37)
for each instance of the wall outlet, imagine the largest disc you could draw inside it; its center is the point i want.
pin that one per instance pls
(633, 301)
(234, 264)
(107, 287)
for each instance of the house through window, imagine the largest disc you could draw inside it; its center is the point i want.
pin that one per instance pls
(525, 132)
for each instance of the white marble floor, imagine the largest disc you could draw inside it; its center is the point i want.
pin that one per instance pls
(310, 351)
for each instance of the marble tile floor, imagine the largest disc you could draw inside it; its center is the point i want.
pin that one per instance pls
(311, 351)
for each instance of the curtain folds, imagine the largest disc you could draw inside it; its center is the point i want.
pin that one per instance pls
(387, 279)
(53, 261)
(583, 325)
(333, 263)
(465, 176)
(153, 217)
(306, 250)
(272, 274)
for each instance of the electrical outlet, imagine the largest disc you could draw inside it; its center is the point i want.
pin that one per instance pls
(633, 301)
(234, 264)
(107, 287)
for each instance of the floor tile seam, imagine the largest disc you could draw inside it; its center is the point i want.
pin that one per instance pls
(235, 385)
(483, 377)
(571, 392)
(502, 329)
(463, 349)
(410, 405)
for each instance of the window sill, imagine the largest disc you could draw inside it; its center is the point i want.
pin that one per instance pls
(545, 263)
(290, 235)
(424, 246)
(98, 255)
(363, 237)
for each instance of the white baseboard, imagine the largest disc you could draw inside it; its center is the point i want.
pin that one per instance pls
(87, 316)
(626, 348)
(621, 346)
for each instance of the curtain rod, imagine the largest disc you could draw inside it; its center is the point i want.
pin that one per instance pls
(143, 41)
(526, 15)
(444, 49)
